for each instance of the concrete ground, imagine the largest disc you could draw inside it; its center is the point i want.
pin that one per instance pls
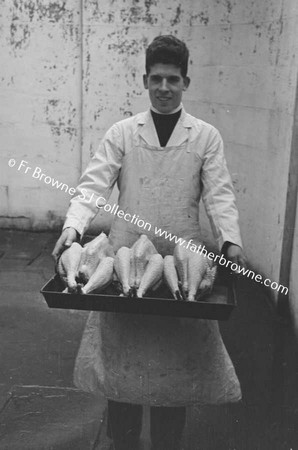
(40, 409)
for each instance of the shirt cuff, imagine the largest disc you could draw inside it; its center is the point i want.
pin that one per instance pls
(226, 246)
(231, 239)
(74, 223)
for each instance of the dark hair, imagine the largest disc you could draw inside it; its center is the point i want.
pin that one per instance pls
(167, 50)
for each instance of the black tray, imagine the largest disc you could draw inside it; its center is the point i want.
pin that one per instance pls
(217, 305)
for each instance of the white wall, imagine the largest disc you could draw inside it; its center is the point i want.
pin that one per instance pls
(39, 109)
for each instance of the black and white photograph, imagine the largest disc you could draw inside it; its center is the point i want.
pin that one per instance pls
(148, 225)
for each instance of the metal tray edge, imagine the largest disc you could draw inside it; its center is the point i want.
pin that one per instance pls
(117, 304)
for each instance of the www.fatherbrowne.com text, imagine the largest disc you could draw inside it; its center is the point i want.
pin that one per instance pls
(102, 203)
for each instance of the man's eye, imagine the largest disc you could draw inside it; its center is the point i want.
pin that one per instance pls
(170, 80)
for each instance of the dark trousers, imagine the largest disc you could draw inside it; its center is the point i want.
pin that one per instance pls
(125, 425)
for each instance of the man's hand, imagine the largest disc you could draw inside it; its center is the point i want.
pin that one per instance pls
(68, 236)
(235, 254)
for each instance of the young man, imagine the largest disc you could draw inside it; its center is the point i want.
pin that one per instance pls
(164, 161)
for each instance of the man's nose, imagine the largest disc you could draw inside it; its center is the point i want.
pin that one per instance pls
(164, 85)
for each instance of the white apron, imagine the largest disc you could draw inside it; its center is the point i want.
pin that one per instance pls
(154, 360)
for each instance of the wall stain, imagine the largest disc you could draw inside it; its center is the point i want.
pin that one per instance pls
(86, 79)
(226, 14)
(128, 15)
(19, 34)
(98, 112)
(25, 12)
(131, 15)
(124, 46)
(149, 18)
(228, 33)
(177, 17)
(229, 6)
(37, 10)
(274, 31)
(202, 16)
(61, 118)
(53, 220)
(14, 217)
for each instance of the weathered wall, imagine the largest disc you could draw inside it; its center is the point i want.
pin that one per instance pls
(292, 224)
(39, 108)
(243, 70)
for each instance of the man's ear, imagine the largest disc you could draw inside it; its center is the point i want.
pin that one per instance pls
(186, 81)
(145, 81)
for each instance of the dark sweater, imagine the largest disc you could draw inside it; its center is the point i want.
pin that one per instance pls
(165, 124)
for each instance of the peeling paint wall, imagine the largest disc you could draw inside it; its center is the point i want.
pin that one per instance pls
(243, 69)
(40, 111)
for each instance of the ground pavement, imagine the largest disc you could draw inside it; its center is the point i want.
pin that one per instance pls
(40, 408)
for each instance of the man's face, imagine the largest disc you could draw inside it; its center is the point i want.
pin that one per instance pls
(166, 85)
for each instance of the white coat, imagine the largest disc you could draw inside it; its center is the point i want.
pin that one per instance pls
(153, 360)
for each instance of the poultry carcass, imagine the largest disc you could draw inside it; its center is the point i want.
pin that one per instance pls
(171, 277)
(93, 252)
(68, 265)
(152, 275)
(181, 256)
(139, 268)
(142, 249)
(122, 265)
(195, 271)
(208, 280)
(101, 277)
(201, 275)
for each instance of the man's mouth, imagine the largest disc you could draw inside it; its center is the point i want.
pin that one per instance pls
(163, 99)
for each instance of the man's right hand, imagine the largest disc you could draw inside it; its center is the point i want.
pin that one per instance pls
(68, 236)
